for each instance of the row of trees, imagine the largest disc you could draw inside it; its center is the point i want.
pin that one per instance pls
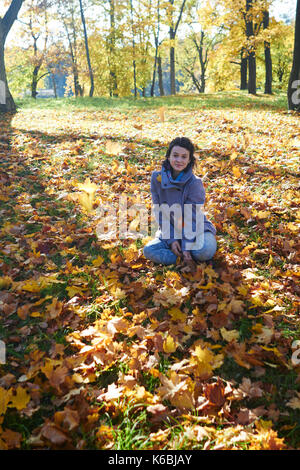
(117, 47)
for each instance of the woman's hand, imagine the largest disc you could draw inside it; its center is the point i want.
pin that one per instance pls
(187, 257)
(188, 261)
(176, 248)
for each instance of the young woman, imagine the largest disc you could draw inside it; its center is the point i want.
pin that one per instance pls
(177, 184)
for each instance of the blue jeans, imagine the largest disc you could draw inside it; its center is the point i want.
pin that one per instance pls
(159, 252)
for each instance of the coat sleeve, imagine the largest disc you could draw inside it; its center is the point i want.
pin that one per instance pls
(157, 202)
(193, 217)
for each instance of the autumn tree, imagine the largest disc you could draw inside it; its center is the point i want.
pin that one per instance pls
(87, 51)
(68, 14)
(156, 31)
(197, 47)
(144, 20)
(294, 81)
(111, 42)
(35, 31)
(282, 53)
(248, 15)
(267, 52)
(133, 48)
(174, 16)
(7, 103)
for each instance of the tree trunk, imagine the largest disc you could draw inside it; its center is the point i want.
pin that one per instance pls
(244, 69)
(172, 33)
(160, 77)
(172, 63)
(54, 84)
(203, 61)
(268, 58)
(156, 40)
(87, 50)
(294, 81)
(133, 51)
(34, 81)
(77, 87)
(72, 46)
(153, 75)
(251, 50)
(7, 103)
(6, 100)
(112, 39)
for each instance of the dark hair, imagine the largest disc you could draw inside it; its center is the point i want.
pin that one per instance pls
(185, 143)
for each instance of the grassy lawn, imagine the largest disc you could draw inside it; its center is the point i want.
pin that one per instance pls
(105, 349)
(223, 100)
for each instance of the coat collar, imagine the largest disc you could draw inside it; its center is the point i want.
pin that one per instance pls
(168, 182)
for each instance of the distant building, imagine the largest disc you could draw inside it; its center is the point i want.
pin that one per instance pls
(45, 93)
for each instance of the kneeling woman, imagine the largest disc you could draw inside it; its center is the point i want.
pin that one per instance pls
(177, 184)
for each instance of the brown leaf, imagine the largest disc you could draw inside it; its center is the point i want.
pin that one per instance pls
(215, 393)
(12, 439)
(54, 309)
(158, 412)
(50, 432)
(58, 375)
(67, 419)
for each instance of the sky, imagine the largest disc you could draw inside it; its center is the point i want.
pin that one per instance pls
(281, 9)
(284, 7)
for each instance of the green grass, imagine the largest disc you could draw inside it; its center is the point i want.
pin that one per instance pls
(131, 429)
(225, 99)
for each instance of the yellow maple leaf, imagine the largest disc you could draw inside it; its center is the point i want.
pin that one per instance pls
(87, 201)
(47, 368)
(131, 170)
(229, 335)
(176, 314)
(263, 214)
(234, 155)
(5, 397)
(177, 389)
(5, 282)
(236, 171)
(98, 261)
(31, 286)
(257, 300)
(21, 399)
(159, 178)
(293, 227)
(243, 290)
(204, 361)
(169, 345)
(118, 293)
(73, 290)
(54, 309)
(87, 186)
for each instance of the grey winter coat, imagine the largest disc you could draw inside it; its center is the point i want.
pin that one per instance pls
(187, 191)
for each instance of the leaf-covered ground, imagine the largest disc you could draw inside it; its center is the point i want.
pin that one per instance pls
(104, 349)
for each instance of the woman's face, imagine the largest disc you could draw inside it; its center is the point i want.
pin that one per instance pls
(179, 158)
